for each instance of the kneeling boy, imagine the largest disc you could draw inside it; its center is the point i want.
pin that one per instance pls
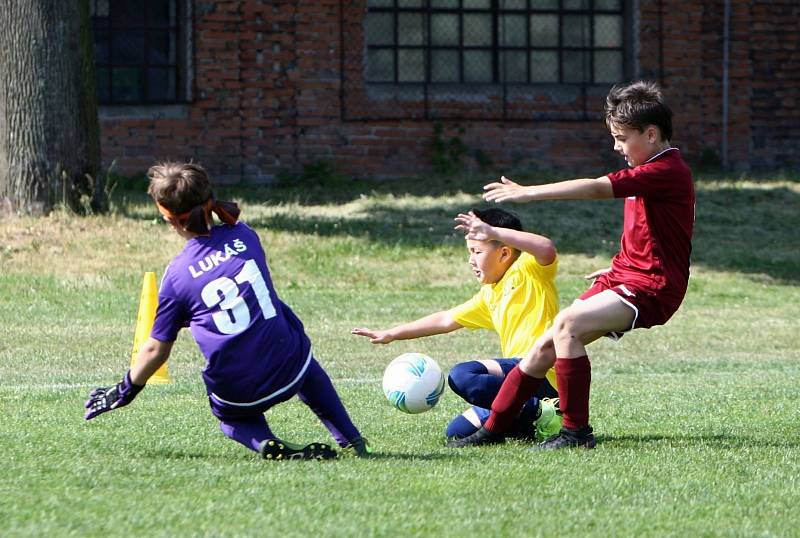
(517, 299)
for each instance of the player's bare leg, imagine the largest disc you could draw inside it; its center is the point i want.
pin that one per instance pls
(541, 358)
(587, 320)
(582, 323)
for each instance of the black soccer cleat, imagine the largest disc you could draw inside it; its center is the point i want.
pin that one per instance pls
(275, 449)
(569, 438)
(522, 431)
(480, 437)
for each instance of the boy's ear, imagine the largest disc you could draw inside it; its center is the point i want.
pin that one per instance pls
(653, 134)
(174, 223)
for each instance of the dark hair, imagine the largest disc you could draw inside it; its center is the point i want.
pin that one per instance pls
(638, 105)
(494, 216)
(182, 188)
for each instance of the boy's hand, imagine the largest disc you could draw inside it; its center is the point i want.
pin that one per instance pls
(506, 190)
(474, 227)
(595, 274)
(103, 399)
(376, 337)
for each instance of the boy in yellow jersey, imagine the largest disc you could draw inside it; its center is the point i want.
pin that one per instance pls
(517, 300)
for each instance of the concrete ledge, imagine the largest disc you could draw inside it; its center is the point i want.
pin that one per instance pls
(143, 112)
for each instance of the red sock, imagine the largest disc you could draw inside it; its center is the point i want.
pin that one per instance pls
(574, 377)
(517, 389)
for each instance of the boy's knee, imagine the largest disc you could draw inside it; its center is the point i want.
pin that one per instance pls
(460, 375)
(540, 360)
(567, 323)
(542, 350)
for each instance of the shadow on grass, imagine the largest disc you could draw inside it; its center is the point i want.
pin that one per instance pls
(747, 230)
(723, 441)
(410, 457)
(177, 455)
(352, 189)
(744, 229)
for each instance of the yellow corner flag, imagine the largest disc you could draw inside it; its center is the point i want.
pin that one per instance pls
(148, 302)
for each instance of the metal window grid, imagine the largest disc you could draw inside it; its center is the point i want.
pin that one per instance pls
(364, 99)
(106, 24)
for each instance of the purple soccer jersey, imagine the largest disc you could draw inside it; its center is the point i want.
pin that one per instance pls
(220, 287)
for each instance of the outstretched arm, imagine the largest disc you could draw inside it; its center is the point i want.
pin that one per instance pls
(506, 190)
(438, 323)
(538, 246)
(103, 399)
(151, 356)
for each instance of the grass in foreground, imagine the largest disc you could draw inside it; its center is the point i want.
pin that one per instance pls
(697, 421)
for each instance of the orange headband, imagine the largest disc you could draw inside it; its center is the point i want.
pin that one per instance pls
(183, 216)
(227, 212)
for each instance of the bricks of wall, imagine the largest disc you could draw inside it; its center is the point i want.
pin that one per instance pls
(276, 89)
(775, 57)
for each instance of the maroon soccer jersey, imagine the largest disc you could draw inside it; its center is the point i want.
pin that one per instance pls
(659, 219)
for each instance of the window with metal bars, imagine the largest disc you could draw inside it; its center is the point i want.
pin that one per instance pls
(141, 56)
(529, 42)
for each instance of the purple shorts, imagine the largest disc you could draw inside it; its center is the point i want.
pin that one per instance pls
(259, 404)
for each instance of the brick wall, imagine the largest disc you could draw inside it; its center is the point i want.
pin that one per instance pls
(775, 84)
(268, 97)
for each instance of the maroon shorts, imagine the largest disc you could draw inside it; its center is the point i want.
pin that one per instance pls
(650, 307)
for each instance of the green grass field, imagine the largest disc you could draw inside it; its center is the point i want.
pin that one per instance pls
(697, 421)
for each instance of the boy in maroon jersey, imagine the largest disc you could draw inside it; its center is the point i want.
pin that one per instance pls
(647, 279)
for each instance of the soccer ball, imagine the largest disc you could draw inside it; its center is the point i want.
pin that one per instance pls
(413, 383)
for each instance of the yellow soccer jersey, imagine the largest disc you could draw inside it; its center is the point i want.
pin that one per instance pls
(519, 308)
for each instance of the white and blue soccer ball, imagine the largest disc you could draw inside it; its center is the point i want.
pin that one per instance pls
(413, 383)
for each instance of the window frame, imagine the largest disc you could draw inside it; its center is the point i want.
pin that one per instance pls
(183, 67)
(497, 49)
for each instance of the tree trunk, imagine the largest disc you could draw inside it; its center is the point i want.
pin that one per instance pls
(99, 196)
(49, 137)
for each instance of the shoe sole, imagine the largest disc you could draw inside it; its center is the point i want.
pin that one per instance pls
(277, 450)
(461, 443)
(586, 445)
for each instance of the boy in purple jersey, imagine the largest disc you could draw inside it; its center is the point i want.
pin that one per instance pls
(257, 352)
